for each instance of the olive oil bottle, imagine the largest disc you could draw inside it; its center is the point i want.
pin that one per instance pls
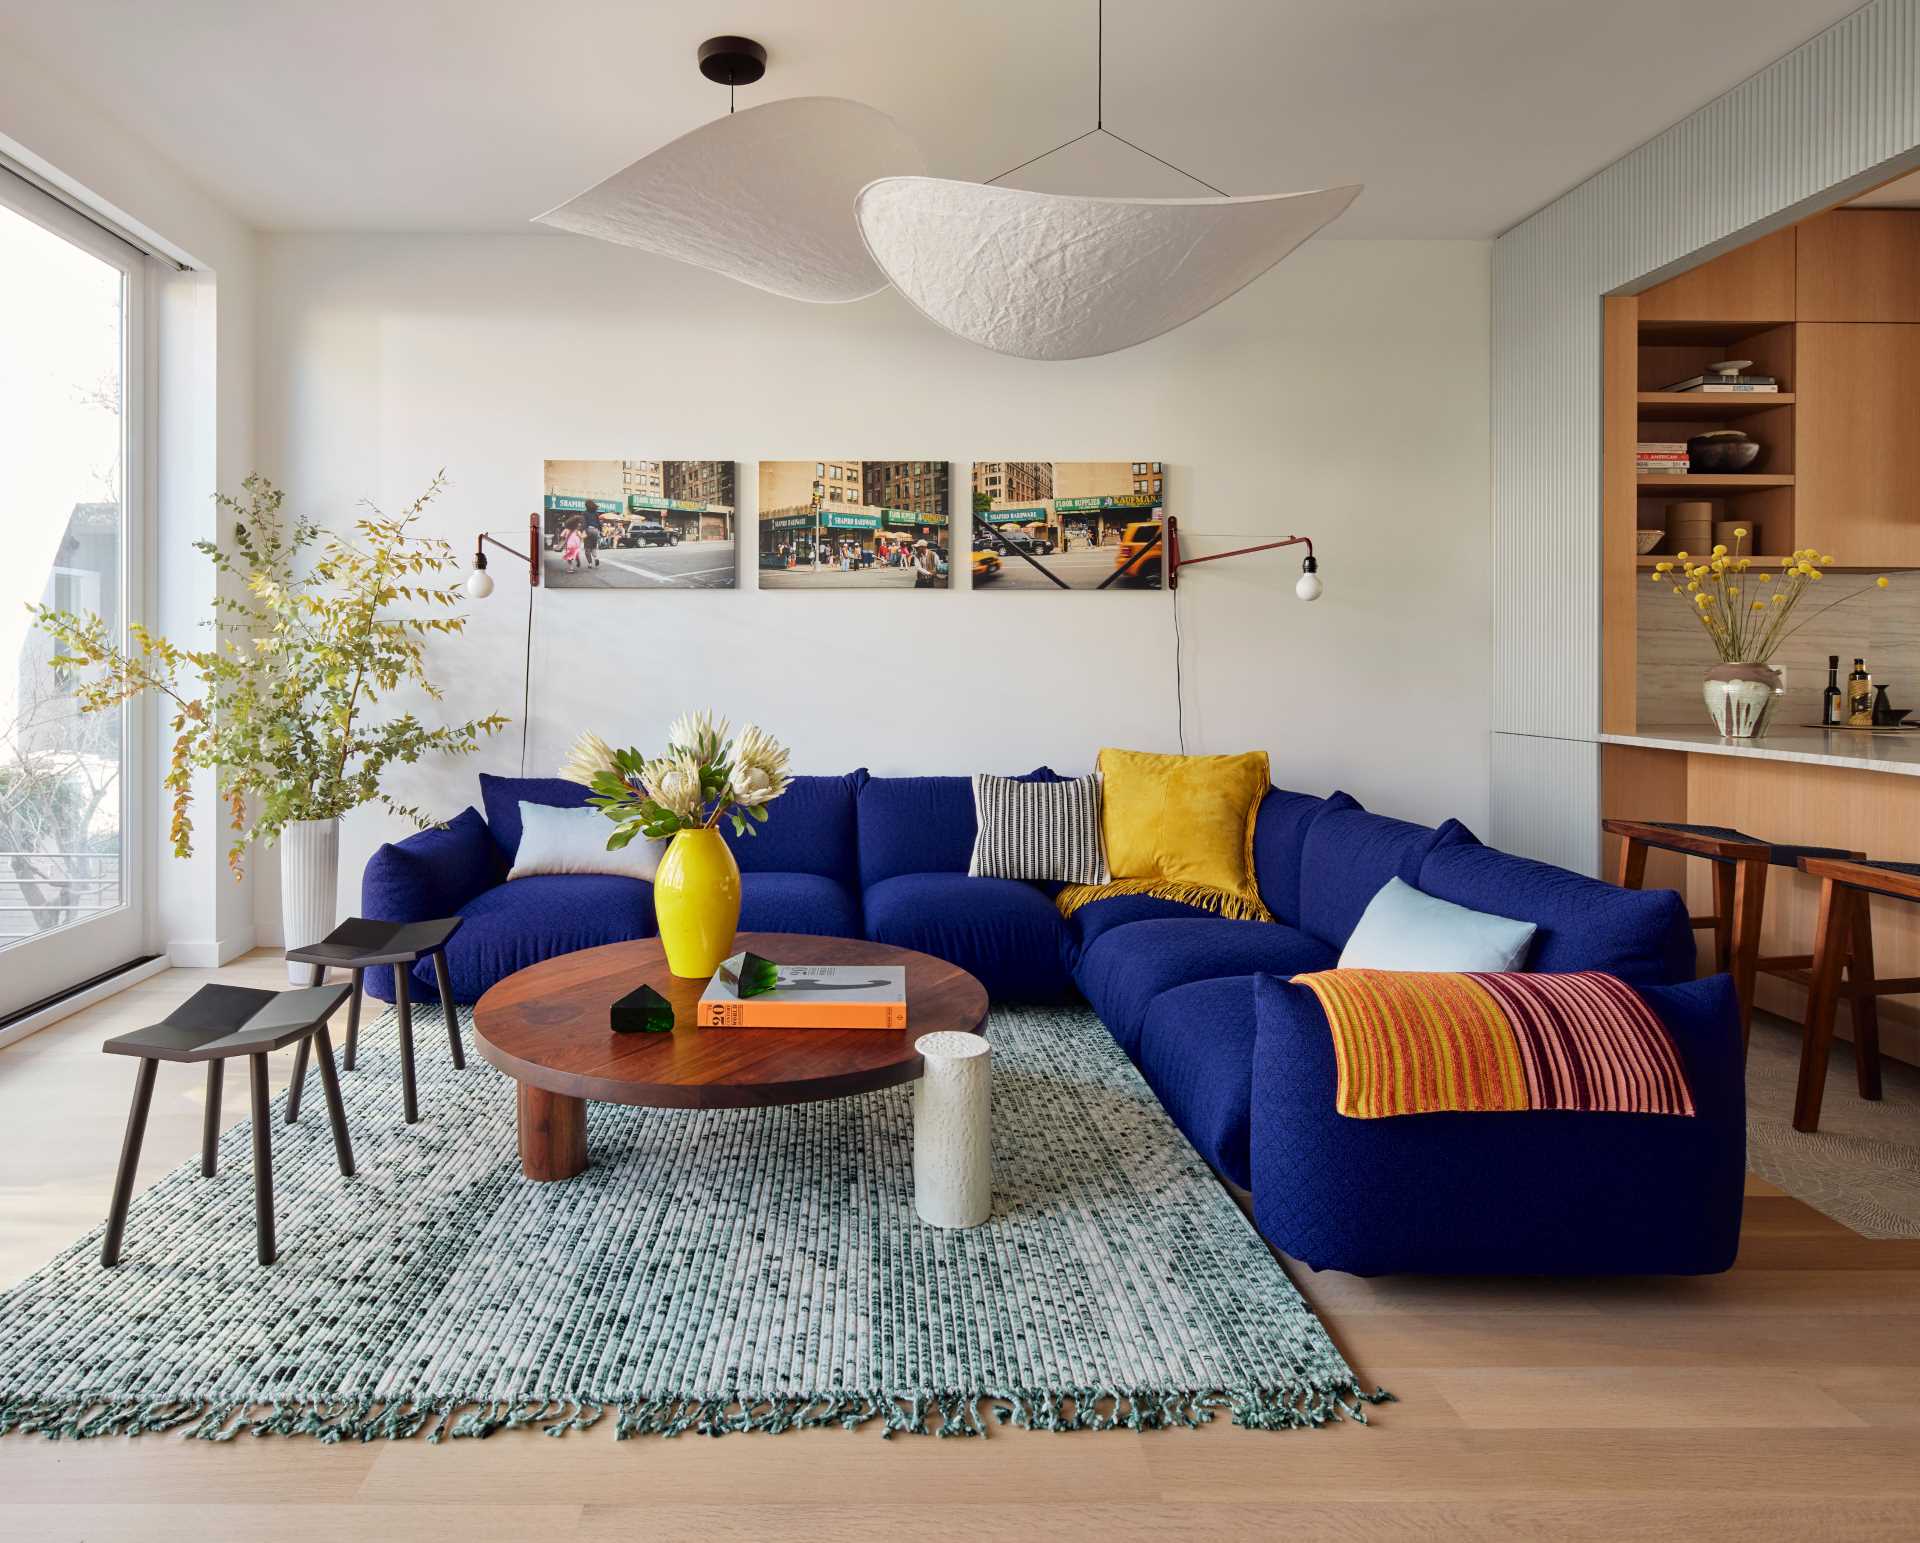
(1830, 715)
(1860, 697)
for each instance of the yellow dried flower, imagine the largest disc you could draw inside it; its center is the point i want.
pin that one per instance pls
(1827, 561)
(1766, 578)
(1739, 530)
(1881, 582)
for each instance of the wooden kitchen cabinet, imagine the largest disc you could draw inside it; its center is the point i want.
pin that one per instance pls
(1858, 441)
(1859, 265)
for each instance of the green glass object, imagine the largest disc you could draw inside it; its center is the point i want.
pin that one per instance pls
(757, 976)
(642, 1012)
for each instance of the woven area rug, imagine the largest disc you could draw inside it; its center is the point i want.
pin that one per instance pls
(711, 1271)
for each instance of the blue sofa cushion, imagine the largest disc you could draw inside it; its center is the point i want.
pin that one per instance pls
(1534, 1193)
(431, 873)
(798, 902)
(920, 824)
(1279, 839)
(1127, 968)
(1196, 1052)
(1642, 936)
(810, 828)
(503, 796)
(1005, 933)
(1102, 916)
(1349, 854)
(511, 926)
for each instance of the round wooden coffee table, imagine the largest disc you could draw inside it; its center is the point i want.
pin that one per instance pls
(547, 1028)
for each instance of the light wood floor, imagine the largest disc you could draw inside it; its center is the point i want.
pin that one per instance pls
(1779, 1401)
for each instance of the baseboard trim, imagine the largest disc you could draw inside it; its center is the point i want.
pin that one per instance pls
(12, 1033)
(209, 955)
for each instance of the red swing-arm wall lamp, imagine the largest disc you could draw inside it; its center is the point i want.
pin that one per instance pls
(1307, 587)
(480, 582)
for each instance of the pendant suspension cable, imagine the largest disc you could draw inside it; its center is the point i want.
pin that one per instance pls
(1043, 155)
(1100, 116)
(1166, 163)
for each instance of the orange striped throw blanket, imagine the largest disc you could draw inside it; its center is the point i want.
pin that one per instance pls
(1414, 1042)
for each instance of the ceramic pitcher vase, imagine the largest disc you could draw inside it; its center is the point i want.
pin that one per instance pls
(1742, 697)
(696, 899)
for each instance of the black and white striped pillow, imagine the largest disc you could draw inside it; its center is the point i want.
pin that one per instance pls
(1038, 830)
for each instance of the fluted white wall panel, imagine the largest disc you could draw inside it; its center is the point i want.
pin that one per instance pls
(1772, 149)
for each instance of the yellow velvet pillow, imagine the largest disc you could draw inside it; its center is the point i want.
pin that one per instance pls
(1181, 826)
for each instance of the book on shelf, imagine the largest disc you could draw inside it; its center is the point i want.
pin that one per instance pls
(1648, 447)
(1725, 383)
(1669, 470)
(808, 996)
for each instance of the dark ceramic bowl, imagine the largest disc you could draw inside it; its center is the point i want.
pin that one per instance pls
(1715, 453)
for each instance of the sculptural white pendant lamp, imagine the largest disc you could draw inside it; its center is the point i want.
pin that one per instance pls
(1047, 276)
(1052, 276)
(764, 196)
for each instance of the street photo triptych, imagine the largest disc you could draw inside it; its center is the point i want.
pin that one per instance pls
(835, 523)
(832, 523)
(1051, 525)
(638, 525)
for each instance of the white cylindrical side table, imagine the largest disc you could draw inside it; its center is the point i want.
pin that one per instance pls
(953, 1130)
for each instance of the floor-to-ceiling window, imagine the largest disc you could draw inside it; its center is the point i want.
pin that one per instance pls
(70, 513)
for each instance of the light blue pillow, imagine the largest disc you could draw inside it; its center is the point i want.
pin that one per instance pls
(1403, 929)
(556, 840)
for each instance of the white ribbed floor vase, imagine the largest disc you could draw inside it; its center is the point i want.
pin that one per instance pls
(713, 1271)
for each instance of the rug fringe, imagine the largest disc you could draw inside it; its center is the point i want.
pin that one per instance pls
(920, 1413)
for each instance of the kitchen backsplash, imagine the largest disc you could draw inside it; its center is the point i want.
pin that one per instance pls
(1881, 626)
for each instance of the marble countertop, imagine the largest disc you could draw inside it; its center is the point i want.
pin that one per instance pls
(1899, 753)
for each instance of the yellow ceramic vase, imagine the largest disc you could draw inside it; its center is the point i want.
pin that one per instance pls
(696, 899)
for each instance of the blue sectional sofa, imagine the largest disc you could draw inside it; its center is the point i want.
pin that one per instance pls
(1241, 1058)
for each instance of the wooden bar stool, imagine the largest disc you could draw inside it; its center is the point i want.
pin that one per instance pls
(1739, 893)
(214, 1025)
(1844, 939)
(358, 944)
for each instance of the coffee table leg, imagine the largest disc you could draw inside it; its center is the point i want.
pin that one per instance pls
(553, 1134)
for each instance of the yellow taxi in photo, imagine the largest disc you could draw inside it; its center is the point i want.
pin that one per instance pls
(1141, 533)
(986, 564)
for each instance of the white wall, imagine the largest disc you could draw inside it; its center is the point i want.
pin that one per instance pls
(1344, 395)
(200, 428)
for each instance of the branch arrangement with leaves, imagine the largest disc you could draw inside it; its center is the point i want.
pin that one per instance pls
(312, 631)
(703, 778)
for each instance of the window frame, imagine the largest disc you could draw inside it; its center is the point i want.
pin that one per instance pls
(64, 957)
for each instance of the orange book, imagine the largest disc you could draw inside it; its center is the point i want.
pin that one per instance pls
(808, 996)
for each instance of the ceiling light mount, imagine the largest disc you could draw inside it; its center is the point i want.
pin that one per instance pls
(731, 61)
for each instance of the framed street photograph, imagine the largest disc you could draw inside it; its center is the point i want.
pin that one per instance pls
(833, 523)
(1053, 525)
(638, 525)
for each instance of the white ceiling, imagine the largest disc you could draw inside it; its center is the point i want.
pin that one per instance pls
(1461, 116)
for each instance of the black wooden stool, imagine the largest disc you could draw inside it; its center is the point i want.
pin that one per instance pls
(214, 1025)
(357, 945)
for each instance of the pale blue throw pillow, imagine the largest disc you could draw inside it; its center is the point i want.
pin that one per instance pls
(1403, 929)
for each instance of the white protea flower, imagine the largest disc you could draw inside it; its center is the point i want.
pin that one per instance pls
(759, 767)
(699, 734)
(673, 782)
(589, 756)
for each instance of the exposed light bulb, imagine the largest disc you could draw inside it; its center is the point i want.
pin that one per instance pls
(479, 584)
(1308, 586)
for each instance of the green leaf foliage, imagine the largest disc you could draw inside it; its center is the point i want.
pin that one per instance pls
(312, 632)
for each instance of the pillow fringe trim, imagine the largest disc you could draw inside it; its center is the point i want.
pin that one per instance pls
(1222, 902)
(1300, 1406)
